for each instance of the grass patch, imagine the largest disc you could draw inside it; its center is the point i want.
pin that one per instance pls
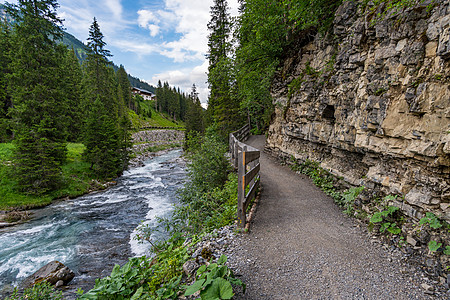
(77, 180)
(157, 120)
(157, 148)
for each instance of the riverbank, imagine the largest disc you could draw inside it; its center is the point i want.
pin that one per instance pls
(92, 233)
(146, 144)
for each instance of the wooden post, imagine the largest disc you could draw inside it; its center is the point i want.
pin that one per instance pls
(236, 153)
(241, 190)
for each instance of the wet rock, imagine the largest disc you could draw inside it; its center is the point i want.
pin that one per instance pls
(53, 273)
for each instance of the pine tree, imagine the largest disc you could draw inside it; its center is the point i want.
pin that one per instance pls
(223, 108)
(36, 87)
(102, 141)
(125, 88)
(5, 98)
(159, 96)
(194, 113)
(73, 89)
(106, 130)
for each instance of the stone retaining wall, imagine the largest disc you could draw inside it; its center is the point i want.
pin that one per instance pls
(371, 103)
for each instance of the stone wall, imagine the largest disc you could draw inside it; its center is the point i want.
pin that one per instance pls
(371, 103)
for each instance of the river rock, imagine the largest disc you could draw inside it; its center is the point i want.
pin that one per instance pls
(52, 272)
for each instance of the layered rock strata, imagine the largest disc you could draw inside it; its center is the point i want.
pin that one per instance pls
(371, 103)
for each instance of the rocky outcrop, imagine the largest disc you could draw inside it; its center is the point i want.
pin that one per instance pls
(371, 103)
(54, 273)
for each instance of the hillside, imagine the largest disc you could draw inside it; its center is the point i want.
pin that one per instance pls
(80, 50)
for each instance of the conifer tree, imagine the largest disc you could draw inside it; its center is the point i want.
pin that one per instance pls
(194, 113)
(159, 96)
(5, 98)
(223, 108)
(106, 130)
(73, 89)
(36, 87)
(125, 88)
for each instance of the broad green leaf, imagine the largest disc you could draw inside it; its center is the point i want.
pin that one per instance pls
(225, 289)
(447, 250)
(211, 292)
(115, 271)
(201, 269)
(137, 294)
(222, 259)
(376, 218)
(434, 246)
(196, 286)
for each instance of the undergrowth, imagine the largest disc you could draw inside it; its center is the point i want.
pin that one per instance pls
(208, 201)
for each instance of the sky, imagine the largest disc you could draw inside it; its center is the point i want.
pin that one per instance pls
(153, 39)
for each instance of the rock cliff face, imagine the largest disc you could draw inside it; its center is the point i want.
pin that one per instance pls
(371, 103)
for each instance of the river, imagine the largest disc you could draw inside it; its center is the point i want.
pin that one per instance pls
(90, 234)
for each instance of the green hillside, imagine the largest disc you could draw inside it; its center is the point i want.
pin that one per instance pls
(72, 42)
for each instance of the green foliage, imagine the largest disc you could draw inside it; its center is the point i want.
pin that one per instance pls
(209, 166)
(171, 101)
(40, 291)
(76, 179)
(102, 143)
(214, 281)
(206, 205)
(430, 219)
(381, 8)
(386, 218)
(5, 97)
(223, 105)
(194, 114)
(106, 135)
(124, 282)
(434, 246)
(348, 199)
(73, 89)
(320, 177)
(35, 83)
(447, 250)
(264, 31)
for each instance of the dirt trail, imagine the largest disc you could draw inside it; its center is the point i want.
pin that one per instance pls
(301, 246)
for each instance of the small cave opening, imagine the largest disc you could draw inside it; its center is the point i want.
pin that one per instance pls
(328, 113)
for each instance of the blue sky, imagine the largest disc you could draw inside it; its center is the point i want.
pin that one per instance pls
(155, 40)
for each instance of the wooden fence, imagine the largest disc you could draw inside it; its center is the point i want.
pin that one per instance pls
(246, 159)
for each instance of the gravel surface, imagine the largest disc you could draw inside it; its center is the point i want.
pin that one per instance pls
(301, 246)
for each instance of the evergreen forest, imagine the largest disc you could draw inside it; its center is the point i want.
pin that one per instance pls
(67, 113)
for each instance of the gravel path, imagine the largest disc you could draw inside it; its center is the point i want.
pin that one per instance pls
(301, 246)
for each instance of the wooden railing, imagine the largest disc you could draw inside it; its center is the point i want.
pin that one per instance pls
(246, 159)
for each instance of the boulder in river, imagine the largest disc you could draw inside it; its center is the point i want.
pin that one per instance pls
(52, 272)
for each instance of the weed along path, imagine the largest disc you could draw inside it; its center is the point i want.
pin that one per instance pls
(301, 246)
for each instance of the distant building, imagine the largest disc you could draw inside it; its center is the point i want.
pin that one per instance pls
(147, 95)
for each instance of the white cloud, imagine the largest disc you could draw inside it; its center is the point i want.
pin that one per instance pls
(154, 29)
(115, 7)
(79, 15)
(184, 79)
(145, 17)
(137, 47)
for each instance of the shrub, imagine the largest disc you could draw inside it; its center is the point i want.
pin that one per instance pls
(37, 292)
